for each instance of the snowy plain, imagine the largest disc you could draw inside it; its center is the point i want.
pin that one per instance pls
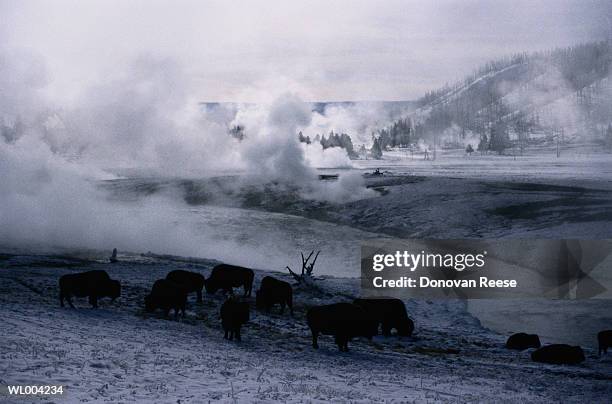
(120, 354)
(117, 353)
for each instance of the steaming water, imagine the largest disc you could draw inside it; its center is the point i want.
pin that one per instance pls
(273, 240)
(281, 237)
(270, 241)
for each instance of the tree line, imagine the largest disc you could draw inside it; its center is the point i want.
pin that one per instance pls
(507, 96)
(342, 140)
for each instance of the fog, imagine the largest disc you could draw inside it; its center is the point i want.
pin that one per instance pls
(341, 50)
(55, 152)
(89, 89)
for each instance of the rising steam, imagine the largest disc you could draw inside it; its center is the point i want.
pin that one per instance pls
(53, 153)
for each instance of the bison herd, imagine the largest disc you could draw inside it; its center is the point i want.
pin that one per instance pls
(343, 321)
(555, 353)
(559, 354)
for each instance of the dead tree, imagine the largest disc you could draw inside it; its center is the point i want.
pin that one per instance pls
(305, 278)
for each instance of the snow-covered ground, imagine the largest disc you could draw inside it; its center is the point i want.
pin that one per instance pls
(577, 162)
(117, 353)
(535, 196)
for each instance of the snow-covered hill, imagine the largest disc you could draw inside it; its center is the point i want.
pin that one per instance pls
(563, 91)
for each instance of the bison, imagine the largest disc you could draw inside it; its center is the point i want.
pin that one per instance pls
(522, 341)
(272, 291)
(94, 284)
(234, 313)
(227, 277)
(166, 295)
(390, 313)
(605, 341)
(191, 281)
(558, 354)
(342, 320)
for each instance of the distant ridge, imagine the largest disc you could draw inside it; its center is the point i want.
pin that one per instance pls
(320, 106)
(565, 89)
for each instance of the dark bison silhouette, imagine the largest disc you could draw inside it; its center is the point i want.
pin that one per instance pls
(166, 295)
(523, 341)
(605, 341)
(272, 291)
(94, 284)
(558, 354)
(342, 320)
(234, 313)
(390, 313)
(227, 277)
(191, 281)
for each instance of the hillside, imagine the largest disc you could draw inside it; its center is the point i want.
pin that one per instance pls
(559, 95)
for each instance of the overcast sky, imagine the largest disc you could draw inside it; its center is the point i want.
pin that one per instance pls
(334, 50)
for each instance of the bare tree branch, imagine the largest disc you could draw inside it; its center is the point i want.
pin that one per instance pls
(303, 262)
(296, 276)
(309, 255)
(311, 266)
(306, 277)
